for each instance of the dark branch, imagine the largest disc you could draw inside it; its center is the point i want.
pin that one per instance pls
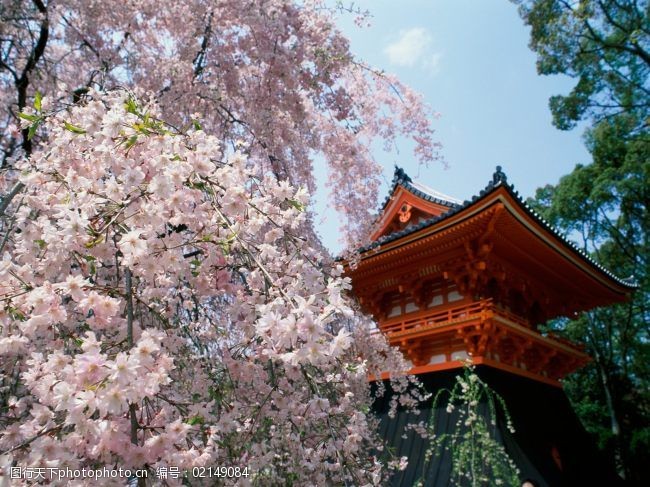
(37, 53)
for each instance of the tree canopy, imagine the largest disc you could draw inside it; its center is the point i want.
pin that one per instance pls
(160, 308)
(164, 302)
(276, 74)
(604, 45)
(604, 204)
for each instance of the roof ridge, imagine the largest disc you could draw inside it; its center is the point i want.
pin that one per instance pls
(400, 178)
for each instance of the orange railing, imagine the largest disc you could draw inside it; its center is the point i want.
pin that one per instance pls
(482, 309)
(457, 313)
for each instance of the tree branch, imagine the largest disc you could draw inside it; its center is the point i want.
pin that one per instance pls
(18, 187)
(200, 56)
(23, 82)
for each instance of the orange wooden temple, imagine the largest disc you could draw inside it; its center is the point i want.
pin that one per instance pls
(447, 280)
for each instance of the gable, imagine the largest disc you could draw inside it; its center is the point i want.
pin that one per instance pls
(403, 210)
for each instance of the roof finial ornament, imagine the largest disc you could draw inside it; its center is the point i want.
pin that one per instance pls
(400, 175)
(499, 176)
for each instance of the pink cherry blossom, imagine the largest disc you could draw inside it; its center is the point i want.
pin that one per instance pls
(165, 301)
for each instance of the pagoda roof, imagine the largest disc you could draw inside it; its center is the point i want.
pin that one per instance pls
(400, 178)
(498, 183)
(410, 202)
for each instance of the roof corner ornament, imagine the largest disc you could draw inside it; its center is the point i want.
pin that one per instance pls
(499, 176)
(401, 176)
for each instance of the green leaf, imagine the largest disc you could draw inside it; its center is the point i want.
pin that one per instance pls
(95, 242)
(131, 142)
(41, 243)
(297, 205)
(351, 367)
(16, 314)
(194, 420)
(225, 246)
(38, 99)
(131, 106)
(73, 128)
(196, 185)
(27, 116)
(32, 130)
(197, 125)
(142, 128)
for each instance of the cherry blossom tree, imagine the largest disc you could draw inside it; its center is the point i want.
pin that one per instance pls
(159, 310)
(275, 74)
(164, 301)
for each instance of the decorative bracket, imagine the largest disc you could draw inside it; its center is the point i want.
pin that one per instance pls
(405, 213)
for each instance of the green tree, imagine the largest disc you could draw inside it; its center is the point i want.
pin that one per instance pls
(605, 45)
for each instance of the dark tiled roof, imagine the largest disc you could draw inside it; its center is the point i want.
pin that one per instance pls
(400, 178)
(499, 179)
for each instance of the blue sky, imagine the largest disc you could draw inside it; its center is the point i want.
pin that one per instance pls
(470, 60)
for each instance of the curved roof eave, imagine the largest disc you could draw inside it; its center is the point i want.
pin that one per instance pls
(400, 178)
(499, 179)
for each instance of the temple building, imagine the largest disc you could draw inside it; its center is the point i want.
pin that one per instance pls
(450, 281)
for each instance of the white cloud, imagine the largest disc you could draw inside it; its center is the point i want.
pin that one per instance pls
(411, 48)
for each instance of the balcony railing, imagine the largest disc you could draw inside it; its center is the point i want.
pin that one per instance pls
(478, 310)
